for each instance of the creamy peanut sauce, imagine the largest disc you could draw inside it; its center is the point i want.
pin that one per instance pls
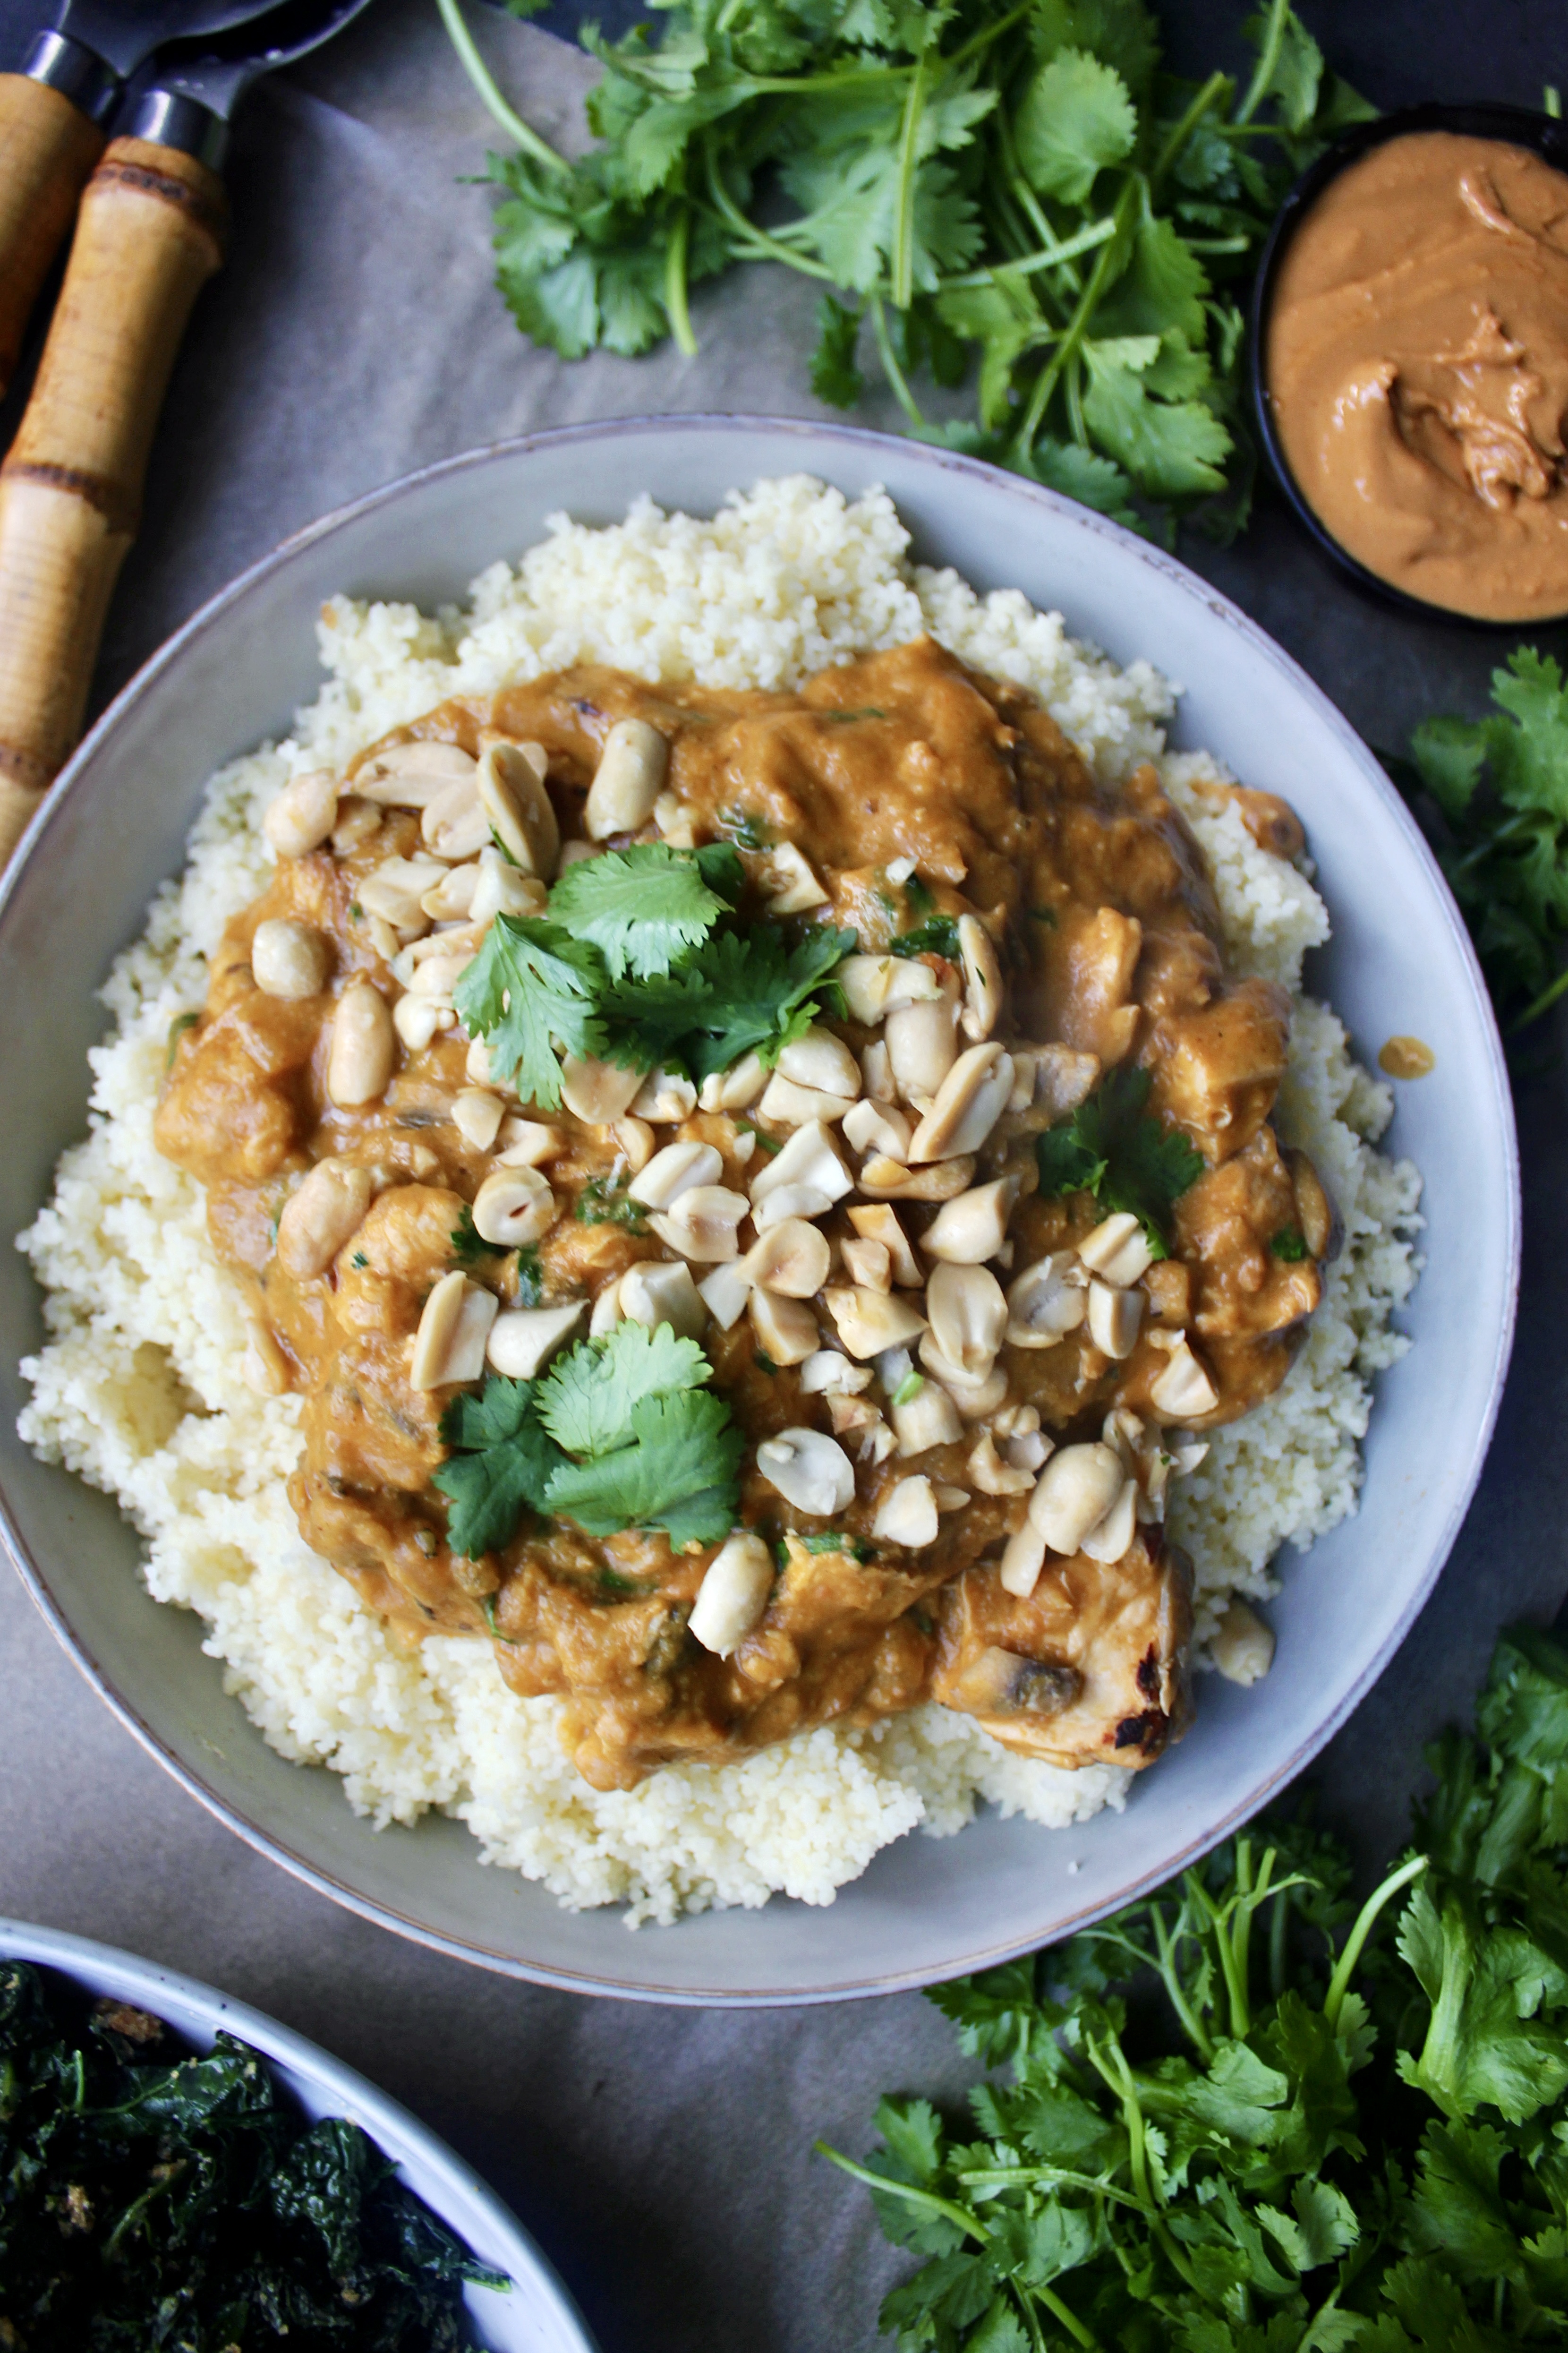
(1106, 935)
(1417, 366)
(1406, 1058)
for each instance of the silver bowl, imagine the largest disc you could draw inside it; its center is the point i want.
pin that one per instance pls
(112, 828)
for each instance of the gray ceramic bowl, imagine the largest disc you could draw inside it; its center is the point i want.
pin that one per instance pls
(112, 829)
(534, 2316)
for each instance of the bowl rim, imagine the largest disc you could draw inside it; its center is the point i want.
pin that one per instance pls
(631, 1986)
(1518, 126)
(131, 1976)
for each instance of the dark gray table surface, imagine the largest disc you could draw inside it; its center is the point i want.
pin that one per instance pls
(661, 2156)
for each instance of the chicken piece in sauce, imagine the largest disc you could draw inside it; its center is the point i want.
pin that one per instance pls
(1061, 932)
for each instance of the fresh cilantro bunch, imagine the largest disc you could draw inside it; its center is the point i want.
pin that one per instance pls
(1493, 795)
(621, 1433)
(1004, 192)
(1241, 2118)
(1123, 1156)
(640, 960)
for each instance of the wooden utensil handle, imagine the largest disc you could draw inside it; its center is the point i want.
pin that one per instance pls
(150, 231)
(47, 147)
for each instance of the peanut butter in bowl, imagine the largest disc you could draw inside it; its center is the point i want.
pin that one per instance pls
(1416, 364)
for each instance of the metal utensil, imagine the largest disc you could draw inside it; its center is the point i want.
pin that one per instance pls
(52, 115)
(150, 231)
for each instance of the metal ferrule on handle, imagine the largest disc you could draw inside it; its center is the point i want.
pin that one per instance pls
(57, 62)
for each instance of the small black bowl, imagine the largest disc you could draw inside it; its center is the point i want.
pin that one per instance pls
(1519, 127)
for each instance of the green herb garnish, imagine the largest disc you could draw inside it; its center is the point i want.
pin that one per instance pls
(1127, 1159)
(746, 831)
(1494, 794)
(500, 1466)
(1010, 194)
(763, 1362)
(530, 1278)
(621, 1432)
(359, 1260)
(613, 1586)
(909, 1388)
(741, 992)
(835, 1541)
(488, 1611)
(157, 2199)
(640, 907)
(177, 1028)
(937, 936)
(639, 961)
(469, 1246)
(660, 1450)
(601, 1204)
(1309, 2129)
(1290, 1244)
(586, 1402)
(532, 988)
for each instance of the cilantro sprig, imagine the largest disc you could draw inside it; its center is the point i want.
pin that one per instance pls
(1113, 1148)
(1243, 2116)
(640, 960)
(741, 992)
(1010, 192)
(622, 1432)
(643, 907)
(1492, 793)
(654, 1448)
(500, 1466)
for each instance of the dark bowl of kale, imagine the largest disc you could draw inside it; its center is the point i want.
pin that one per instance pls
(179, 2172)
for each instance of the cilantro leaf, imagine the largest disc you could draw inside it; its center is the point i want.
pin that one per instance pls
(938, 936)
(601, 1203)
(1075, 117)
(1483, 2046)
(640, 907)
(740, 992)
(1171, 449)
(765, 991)
(532, 988)
(1529, 757)
(1492, 793)
(678, 1473)
(833, 374)
(469, 1245)
(500, 1466)
(1253, 2154)
(1127, 1158)
(587, 1399)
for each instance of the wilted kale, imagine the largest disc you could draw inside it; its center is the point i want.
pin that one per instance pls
(1242, 2118)
(149, 2201)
